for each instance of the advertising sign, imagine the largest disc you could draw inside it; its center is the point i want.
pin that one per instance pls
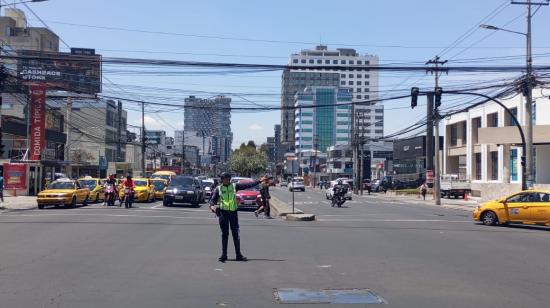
(38, 121)
(15, 176)
(429, 176)
(74, 72)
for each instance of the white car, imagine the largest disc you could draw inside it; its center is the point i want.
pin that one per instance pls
(296, 184)
(330, 192)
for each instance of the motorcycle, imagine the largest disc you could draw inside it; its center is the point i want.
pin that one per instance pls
(338, 198)
(128, 197)
(110, 195)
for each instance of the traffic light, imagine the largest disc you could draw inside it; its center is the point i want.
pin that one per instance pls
(437, 95)
(414, 96)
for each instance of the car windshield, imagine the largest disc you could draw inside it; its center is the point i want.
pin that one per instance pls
(207, 184)
(253, 188)
(161, 176)
(182, 182)
(91, 184)
(61, 185)
(140, 182)
(158, 185)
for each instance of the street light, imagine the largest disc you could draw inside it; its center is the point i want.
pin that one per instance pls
(491, 27)
(527, 93)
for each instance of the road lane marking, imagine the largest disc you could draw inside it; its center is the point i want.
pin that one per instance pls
(121, 215)
(398, 220)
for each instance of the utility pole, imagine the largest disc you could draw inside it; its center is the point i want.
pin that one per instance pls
(314, 171)
(68, 134)
(143, 139)
(361, 160)
(528, 94)
(182, 148)
(355, 144)
(437, 93)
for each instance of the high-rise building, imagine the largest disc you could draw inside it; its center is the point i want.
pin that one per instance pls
(323, 118)
(210, 118)
(350, 70)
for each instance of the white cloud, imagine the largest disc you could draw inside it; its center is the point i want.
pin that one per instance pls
(255, 126)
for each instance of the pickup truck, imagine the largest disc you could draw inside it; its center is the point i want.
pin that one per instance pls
(452, 186)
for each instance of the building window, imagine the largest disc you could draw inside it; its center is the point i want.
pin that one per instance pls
(311, 61)
(494, 165)
(509, 121)
(327, 61)
(492, 120)
(367, 96)
(342, 115)
(367, 62)
(478, 166)
(334, 61)
(319, 61)
(378, 117)
(379, 110)
(342, 123)
(358, 89)
(359, 62)
(454, 135)
(359, 82)
(379, 124)
(350, 82)
(464, 134)
(476, 124)
(307, 122)
(351, 62)
(358, 96)
(343, 82)
(342, 75)
(293, 61)
(513, 165)
(350, 75)
(378, 131)
(367, 90)
(303, 61)
(337, 164)
(343, 62)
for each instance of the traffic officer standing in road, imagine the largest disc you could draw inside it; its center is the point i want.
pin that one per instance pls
(225, 198)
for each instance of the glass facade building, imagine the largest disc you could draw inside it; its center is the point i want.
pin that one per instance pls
(322, 118)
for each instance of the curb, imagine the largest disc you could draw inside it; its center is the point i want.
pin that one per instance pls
(462, 207)
(280, 208)
(300, 217)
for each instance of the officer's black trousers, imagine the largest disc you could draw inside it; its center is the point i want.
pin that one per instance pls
(230, 219)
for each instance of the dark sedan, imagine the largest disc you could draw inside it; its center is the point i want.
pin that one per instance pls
(183, 189)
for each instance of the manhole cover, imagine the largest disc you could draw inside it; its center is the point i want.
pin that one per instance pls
(327, 296)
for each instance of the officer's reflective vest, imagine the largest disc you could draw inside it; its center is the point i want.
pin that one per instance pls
(228, 198)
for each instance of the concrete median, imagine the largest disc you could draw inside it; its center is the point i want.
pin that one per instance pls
(281, 208)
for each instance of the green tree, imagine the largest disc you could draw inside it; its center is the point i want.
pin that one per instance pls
(247, 161)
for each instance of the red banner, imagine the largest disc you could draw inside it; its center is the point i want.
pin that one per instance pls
(38, 121)
(15, 176)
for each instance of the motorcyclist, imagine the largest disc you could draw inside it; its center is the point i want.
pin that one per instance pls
(339, 192)
(128, 183)
(111, 181)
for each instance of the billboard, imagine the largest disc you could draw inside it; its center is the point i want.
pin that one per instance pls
(15, 176)
(74, 72)
(38, 121)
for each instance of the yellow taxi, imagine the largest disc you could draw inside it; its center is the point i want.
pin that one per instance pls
(63, 192)
(165, 175)
(97, 192)
(144, 190)
(530, 207)
(159, 185)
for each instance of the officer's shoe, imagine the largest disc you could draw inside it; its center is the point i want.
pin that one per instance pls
(222, 259)
(241, 258)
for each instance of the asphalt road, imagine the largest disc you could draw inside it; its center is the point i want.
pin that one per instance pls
(151, 256)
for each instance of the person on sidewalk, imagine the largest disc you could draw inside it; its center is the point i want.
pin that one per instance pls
(265, 196)
(423, 190)
(224, 204)
(2, 187)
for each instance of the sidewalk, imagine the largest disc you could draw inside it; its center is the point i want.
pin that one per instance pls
(458, 204)
(18, 203)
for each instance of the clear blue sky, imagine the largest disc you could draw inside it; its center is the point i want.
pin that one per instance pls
(418, 30)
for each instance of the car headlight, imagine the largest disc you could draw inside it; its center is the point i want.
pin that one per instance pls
(172, 191)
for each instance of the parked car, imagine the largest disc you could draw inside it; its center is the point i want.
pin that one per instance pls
(530, 207)
(284, 183)
(63, 192)
(95, 186)
(182, 189)
(375, 185)
(248, 198)
(202, 190)
(159, 186)
(296, 184)
(329, 193)
(236, 179)
(453, 187)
